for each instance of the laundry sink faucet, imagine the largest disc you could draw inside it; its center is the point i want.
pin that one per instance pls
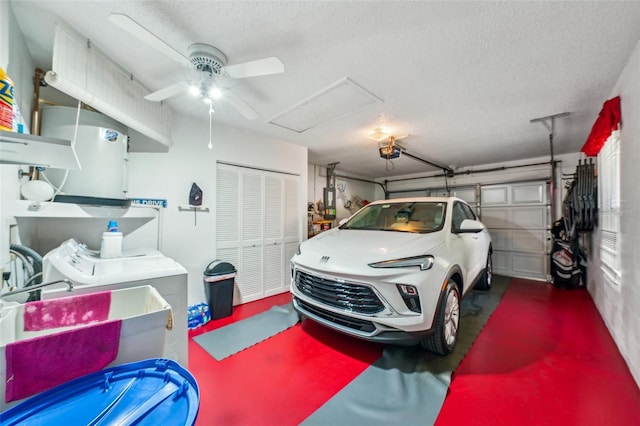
(31, 288)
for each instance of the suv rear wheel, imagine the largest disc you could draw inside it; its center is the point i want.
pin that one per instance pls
(444, 338)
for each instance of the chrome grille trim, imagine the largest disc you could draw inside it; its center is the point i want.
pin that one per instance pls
(350, 297)
(338, 321)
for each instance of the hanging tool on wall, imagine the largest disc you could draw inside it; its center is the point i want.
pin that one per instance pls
(580, 204)
(195, 199)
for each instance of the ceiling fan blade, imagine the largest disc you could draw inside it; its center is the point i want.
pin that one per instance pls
(137, 30)
(256, 68)
(167, 92)
(240, 105)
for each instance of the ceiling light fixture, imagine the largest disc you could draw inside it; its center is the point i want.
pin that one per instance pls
(215, 93)
(194, 90)
(379, 134)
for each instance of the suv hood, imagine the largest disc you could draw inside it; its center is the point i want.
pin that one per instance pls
(357, 247)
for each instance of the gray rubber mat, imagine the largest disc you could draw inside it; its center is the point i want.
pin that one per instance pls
(240, 335)
(407, 385)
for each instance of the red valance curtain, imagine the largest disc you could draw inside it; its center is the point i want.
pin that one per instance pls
(606, 124)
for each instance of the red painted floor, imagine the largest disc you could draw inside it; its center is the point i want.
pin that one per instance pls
(544, 358)
(280, 381)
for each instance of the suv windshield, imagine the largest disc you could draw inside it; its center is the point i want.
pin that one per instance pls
(418, 217)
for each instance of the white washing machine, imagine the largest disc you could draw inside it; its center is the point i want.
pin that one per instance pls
(89, 273)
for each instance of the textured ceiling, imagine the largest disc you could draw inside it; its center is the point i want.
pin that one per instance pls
(464, 79)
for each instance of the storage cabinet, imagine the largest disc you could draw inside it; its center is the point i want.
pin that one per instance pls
(258, 226)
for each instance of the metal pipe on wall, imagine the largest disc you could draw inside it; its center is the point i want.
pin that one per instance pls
(38, 79)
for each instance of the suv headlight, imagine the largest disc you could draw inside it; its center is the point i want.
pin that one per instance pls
(422, 262)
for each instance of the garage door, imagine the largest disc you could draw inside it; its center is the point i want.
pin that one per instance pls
(518, 218)
(466, 193)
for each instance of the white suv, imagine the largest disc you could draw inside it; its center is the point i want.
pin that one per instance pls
(395, 271)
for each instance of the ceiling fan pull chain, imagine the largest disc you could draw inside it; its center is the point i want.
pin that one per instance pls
(210, 120)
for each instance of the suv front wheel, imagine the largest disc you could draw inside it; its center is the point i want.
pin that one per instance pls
(444, 338)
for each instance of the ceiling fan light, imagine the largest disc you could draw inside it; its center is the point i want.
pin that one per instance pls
(207, 101)
(215, 93)
(194, 90)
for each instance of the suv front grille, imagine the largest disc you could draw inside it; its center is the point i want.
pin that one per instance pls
(344, 321)
(350, 297)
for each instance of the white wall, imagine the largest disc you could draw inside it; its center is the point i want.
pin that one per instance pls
(16, 61)
(620, 306)
(169, 176)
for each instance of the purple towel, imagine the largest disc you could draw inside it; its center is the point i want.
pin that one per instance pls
(38, 364)
(67, 311)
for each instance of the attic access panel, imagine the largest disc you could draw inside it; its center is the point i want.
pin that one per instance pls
(339, 100)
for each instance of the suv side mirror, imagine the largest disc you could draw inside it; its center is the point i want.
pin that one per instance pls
(469, 226)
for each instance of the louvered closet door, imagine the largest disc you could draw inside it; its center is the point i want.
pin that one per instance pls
(273, 241)
(260, 233)
(228, 226)
(250, 282)
(292, 219)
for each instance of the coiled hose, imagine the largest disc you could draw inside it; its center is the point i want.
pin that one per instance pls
(37, 267)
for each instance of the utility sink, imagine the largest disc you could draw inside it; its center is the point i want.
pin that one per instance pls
(48, 342)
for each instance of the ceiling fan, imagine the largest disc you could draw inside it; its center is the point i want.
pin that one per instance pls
(209, 64)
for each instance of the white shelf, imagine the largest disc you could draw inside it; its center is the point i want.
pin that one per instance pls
(46, 227)
(21, 148)
(48, 209)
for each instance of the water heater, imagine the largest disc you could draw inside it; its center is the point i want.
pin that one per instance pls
(101, 147)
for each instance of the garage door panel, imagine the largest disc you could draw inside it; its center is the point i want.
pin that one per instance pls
(393, 195)
(500, 265)
(494, 195)
(528, 194)
(500, 239)
(528, 265)
(466, 194)
(496, 217)
(529, 241)
(529, 217)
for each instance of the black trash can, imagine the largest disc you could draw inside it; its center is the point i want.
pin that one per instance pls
(219, 278)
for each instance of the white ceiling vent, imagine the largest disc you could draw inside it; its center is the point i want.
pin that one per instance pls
(339, 100)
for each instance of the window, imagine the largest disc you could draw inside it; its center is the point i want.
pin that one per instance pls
(468, 212)
(418, 217)
(461, 212)
(609, 206)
